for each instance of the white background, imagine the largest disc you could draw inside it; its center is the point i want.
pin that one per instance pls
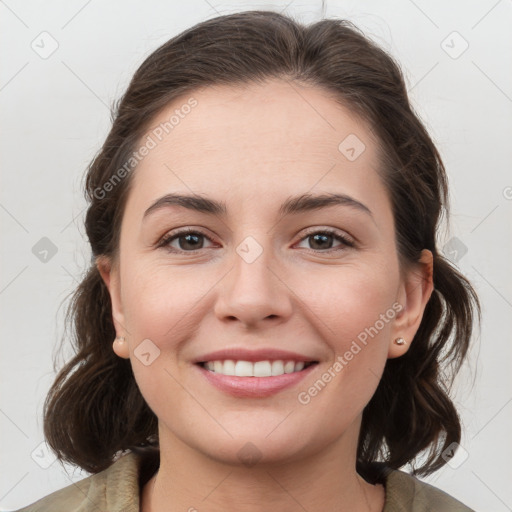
(55, 116)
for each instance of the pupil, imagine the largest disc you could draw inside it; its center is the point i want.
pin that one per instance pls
(187, 238)
(323, 238)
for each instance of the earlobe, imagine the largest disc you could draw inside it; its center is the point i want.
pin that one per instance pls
(120, 347)
(415, 292)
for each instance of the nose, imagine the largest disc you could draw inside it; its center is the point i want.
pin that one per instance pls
(254, 293)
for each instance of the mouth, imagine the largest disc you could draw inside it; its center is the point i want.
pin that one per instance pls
(254, 379)
(258, 369)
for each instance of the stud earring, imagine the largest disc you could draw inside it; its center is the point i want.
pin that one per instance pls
(400, 341)
(119, 339)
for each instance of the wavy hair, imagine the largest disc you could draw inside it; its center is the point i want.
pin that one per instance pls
(94, 409)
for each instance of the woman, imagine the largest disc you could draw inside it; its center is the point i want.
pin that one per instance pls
(263, 218)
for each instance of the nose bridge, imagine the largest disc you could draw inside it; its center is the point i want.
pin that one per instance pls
(251, 263)
(251, 290)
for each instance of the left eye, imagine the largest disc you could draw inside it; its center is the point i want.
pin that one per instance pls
(322, 238)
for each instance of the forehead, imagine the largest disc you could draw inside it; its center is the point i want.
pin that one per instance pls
(257, 139)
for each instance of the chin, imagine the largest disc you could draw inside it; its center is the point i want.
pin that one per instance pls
(256, 444)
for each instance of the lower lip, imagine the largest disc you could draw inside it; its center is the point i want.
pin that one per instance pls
(254, 387)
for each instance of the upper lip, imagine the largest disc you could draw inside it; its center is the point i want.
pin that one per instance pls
(263, 354)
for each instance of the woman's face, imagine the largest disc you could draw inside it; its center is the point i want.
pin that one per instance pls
(264, 271)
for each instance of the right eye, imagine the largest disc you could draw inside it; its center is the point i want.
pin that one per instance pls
(188, 240)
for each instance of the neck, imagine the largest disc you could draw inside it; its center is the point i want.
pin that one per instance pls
(327, 480)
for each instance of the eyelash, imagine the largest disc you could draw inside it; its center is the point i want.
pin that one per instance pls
(166, 240)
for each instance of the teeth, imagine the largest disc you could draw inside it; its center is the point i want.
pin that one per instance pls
(258, 369)
(289, 367)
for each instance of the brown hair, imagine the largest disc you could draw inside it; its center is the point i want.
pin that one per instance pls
(95, 410)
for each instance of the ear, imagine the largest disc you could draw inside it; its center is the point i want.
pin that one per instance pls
(414, 293)
(110, 275)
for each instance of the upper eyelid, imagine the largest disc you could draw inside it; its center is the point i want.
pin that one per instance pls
(333, 231)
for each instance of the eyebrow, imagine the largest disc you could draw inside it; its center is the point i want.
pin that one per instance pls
(293, 205)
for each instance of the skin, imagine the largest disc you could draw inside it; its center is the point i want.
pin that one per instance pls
(253, 147)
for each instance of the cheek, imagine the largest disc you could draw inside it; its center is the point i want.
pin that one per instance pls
(349, 300)
(157, 299)
(157, 305)
(354, 312)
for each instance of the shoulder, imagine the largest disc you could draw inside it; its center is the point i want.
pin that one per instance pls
(406, 493)
(114, 489)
